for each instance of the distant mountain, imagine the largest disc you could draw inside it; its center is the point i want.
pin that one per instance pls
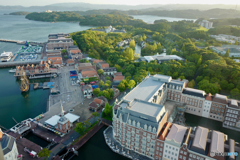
(88, 6)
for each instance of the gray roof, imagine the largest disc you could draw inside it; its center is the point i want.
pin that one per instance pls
(168, 57)
(176, 83)
(217, 143)
(176, 134)
(109, 69)
(143, 109)
(145, 113)
(145, 90)
(7, 143)
(194, 92)
(200, 139)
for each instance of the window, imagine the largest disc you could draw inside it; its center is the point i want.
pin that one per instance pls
(185, 153)
(180, 156)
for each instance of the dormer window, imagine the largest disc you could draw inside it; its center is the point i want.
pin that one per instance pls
(133, 123)
(154, 129)
(129, 121)
(150, 129)
(145, 127)
(138, 124)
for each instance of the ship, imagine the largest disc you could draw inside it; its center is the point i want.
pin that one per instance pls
(12, 70)
(24, 83)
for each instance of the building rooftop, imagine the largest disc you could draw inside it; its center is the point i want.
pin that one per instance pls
(165, 131)
(220, 98)
(217, 143)
(118, 78)
(200, 139)
(176, 134)
(144, 90)
(194, 92)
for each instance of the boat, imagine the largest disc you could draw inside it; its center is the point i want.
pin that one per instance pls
(24, 83)
(6, 56)
(12, 70)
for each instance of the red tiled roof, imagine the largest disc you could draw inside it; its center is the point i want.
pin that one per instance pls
(118, 74)
(119, 78)
(93, 105)
(105, 65)
(70, 61)
(97, 60)
(98, 101)
(90, 73)
(75, 51)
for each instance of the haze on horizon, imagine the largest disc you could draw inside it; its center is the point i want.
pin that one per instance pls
(122, 2)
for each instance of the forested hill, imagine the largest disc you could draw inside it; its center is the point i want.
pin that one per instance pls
(115, 18)
(18, 13)
(54, 16)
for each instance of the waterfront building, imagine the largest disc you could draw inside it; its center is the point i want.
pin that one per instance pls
(140, 121)
(42, 68)
(55, 60)
(75, 53)
(59, 41)
(9, 147)
(110, 29)
(206, 24)
(96, 104)
(63, 123)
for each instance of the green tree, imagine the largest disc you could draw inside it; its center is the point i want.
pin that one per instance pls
(235, 92)
(227, 53)
(100, 71)
(87, 123)
(101, 83)
(45, 153)
(131, 84)
(80, 128)
(144, 37)
(128, 53)
(132, 44)
(95, 114)
(183, 47)
(108, 78)
(191, 84)
(119, 68)
(64, 51)
(108, 82)
(121, 87)
(236, 43)
(199, 78)
(106, 85)
(65, 56)
(96, 91)
(199, 62)
(224, 84)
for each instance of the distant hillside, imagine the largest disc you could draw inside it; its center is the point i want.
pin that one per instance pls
(88, 6)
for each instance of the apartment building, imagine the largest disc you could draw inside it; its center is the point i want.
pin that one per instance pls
(140, 121)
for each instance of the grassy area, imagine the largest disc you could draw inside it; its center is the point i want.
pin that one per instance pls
(201, 28)
(94, 124)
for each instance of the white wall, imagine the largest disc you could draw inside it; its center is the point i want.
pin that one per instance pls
(170, 152)
(206, 108)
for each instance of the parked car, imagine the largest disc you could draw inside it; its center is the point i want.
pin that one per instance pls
(92, 82)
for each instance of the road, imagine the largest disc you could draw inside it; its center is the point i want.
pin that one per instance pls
(69, 95)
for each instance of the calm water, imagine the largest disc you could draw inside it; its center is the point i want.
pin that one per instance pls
(16, 104)
(150, 19)
(96, 148)
(192, 120)
(18, 28)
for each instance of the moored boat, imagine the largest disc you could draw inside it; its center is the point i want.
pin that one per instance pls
(12, 70)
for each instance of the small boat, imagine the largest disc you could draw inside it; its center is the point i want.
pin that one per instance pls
(12, 71)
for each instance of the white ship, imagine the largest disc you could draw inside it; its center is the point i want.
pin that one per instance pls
(6, 56)
(12, 70)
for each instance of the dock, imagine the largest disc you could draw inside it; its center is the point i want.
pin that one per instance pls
(12, 41)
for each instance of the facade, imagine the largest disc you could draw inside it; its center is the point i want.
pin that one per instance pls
(160, 58)
(63, 123)
(109, 71)
(110, 29)
(87, 91)
(42, 68)
(55, 60)
(96, 104)
(207, 106)
(59, 41)
(9, 147)
(234, 50)
(206, 24)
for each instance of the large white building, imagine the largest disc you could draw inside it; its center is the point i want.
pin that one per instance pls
(206, 24)
(9, 146)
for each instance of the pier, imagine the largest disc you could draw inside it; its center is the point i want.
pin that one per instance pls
(12, 41)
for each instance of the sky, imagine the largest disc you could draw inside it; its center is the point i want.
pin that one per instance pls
(123, 2)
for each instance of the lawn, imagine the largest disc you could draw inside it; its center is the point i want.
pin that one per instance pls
(201, 28)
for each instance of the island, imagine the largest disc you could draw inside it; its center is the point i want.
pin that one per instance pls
(18, 13)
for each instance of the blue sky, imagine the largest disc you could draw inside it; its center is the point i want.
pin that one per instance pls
(125, 2)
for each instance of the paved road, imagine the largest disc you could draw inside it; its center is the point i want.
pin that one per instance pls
(69, 95)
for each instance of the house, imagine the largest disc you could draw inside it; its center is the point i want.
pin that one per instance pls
(109, 71)
(75, 53)
(82, 66)
(102, 65)
(54, 53)
(88, 73)
(59, 41)
(118, 79)
(116, 93)
(87, 91)
(96, 104)
(70, 62)
(55, 60)
(95, 61)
